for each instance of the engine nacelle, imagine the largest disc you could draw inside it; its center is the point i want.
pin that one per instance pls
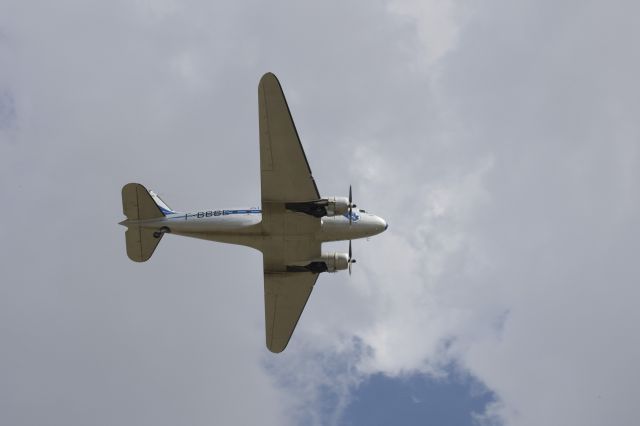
(337, 206)
(335, 261)
(331, 206)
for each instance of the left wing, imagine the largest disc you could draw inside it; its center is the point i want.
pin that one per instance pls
(284, 169)
(285, 296)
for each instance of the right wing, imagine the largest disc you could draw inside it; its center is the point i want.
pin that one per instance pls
(285, 296)
(284, 169)
(286, 292)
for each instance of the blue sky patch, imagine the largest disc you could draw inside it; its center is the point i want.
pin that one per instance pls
(417, 400)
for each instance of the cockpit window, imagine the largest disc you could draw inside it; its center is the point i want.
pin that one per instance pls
(362, 211)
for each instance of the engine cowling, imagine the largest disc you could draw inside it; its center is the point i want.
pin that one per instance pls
(335, 261)
(337, 206)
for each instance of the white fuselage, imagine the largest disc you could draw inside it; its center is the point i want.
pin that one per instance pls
(244, 226)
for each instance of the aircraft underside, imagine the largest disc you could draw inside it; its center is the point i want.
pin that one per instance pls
(289, 229)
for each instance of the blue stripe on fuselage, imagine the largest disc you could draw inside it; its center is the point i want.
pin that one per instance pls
(212, 213)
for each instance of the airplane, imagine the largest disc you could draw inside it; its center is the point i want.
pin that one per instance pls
(288, 229)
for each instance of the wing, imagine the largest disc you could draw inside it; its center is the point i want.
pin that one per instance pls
(285, 177)
(285, 296)
(286, 293)
(284, 169)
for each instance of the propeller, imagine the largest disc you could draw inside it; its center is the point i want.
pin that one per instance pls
(351, 206)
(351, 259)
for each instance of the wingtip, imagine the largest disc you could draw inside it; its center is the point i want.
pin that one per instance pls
(268, 76)
(273, 348)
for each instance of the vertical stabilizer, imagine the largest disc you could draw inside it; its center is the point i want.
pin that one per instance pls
(164, 208)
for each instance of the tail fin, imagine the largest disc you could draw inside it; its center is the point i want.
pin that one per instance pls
(164, 208)
(139, 204)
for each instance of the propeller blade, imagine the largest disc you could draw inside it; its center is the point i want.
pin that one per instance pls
(350, 213)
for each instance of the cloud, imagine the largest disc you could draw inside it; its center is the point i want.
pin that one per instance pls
(522, 267)
(437, 23)
(499, 141)
(509, 178)
(7, 111)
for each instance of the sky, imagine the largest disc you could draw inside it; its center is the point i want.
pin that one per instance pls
(500, 141)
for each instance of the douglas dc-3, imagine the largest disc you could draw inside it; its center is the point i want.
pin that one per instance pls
(289, 229)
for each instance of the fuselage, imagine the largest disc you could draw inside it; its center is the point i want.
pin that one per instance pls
(244, 226)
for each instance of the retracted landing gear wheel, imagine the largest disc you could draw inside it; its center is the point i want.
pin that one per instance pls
(159, 233)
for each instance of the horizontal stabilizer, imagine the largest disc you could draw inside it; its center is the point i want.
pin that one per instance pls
(141, 243)
(137, 203)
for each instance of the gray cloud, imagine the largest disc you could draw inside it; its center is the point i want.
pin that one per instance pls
(504, 155)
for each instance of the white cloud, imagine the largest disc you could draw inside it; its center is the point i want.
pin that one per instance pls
(500, 142)
(520, 270)
(512, 202)
(437, 23)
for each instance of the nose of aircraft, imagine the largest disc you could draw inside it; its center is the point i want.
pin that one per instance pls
(383, 225)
